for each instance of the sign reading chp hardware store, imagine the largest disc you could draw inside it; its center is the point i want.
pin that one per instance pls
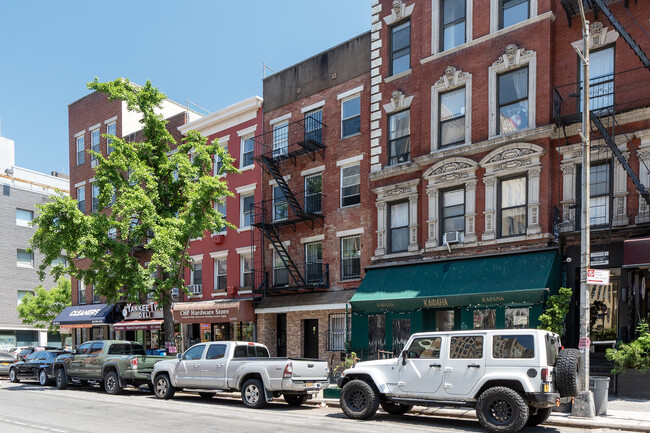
(213, 312)
(142, 311)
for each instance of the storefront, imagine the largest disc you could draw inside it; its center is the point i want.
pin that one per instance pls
(635, 297)
(142, 323)
(87, 322)
(215, 321)
(499, 291)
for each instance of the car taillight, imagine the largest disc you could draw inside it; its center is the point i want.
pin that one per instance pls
(134, 363)
(544, 374)
(288, 371)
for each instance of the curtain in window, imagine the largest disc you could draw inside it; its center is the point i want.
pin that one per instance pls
(399, 221)
(601, 79)
(513, 102)
(452, 117)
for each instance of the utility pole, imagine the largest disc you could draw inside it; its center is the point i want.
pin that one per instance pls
(584, 402)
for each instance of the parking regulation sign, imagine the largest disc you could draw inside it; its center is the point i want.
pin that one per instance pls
(598, 277)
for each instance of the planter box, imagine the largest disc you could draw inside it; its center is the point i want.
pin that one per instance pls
(332, 391)
(632, 383)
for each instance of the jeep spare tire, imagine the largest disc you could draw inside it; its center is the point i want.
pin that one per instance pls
(568, 371)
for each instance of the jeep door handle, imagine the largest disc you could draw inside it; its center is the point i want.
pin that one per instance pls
(435, 365)
(219, 365)
(473, 366)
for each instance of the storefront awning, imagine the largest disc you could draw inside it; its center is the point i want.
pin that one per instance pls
(136, 325)
(84, 316)
(329, 300)
(494, 280)
(636, 252)
(214, 311)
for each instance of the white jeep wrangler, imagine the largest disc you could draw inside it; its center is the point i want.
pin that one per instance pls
(512, 377)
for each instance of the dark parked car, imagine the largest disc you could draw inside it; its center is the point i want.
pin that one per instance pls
(6, 360)
(25, 352)
(37, 366)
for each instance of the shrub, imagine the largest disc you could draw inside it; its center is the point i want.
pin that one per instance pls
(633, 355)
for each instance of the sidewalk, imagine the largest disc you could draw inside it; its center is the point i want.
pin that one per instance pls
(622, 414)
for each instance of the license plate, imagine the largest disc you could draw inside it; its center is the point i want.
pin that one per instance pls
(309, 384)
(5, 363)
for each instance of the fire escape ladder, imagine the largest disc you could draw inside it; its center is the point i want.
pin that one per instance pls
(621, 30)
(271, 232)
(274, 169)
(612, 145)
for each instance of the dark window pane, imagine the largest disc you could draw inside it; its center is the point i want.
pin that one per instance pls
(514, 11)
(513, 346)
(513, 86)
(351, 126)
(466, 347)
(216, 351)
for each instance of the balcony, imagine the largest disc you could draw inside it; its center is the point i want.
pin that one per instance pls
(618, 92)
(304, 137)
(315, 275)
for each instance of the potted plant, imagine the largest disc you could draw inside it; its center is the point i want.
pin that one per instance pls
(631, 363)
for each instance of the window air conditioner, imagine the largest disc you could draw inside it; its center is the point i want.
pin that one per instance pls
(453, 237)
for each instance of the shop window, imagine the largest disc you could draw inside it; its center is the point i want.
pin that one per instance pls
(247, 271)
(216, 351)
(350, 257)
(400, 48)
(313, 193)
(280, 205)
(485, 319)
(401, 334)
(280, 139)
(452, 117)
(517, 318)
(425, 348)
(80, 150)
(513, 101)
(350, 116)
(513, 12)
(399, 227)
(24, 217)
(452, 23)
(111, 129)
(513, 346)
(280, 271)
(314, 126)
(350, 185)
(337, 332)
(452, 214)
(399, 137)
(81, 198)
(445, 320)
(220, 275)
(466, 347)
(376, 336)
(81, 292)
(512, 207)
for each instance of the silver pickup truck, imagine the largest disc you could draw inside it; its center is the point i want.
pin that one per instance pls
(240, 366)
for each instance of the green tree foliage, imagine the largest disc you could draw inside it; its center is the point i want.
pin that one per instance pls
(634, 355)
(557, 308)
(40, 309)
(159, 200)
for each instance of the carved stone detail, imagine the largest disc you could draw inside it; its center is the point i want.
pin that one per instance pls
(471, 185)
(489, 181)
(397, 98)
(451, 77)
(568, 169)
(488, 223)
(596, 32)
(380, 240)
(398, 7)
(510, 154)
(535, 172)
(511, 57)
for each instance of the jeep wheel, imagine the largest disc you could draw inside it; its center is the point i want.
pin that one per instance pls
(42, 377)
(61, 379)
(112, 383)
(295, 399)
(252, 394)
(13, 377)
(500, 409)
(163, 387)
(359, 400)
(568, 371)
(539, 417)
(396, 409)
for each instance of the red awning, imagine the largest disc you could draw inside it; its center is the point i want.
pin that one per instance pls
(636, 252)
(134, 325)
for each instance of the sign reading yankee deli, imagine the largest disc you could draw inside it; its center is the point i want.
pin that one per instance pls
(213, 312)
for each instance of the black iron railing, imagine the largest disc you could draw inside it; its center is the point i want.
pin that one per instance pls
(315, 275)
(289, 140)
(280, 211)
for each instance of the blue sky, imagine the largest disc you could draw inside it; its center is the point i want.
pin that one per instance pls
(208, 51)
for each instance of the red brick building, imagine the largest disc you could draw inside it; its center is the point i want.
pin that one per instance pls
(222, 274)
(316, 210)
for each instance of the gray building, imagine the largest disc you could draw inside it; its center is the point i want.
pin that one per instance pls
(22, 190)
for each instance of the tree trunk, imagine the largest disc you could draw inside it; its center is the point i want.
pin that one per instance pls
(168, 318)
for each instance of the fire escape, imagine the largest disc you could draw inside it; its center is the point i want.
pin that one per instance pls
(275, 151)
(608, 94)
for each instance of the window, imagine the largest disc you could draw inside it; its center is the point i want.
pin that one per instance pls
(601, 79)
(22, 294)
(350, 257)
(512, 207)
(97, 298)
(81, 198)
(513, 101)
(351, 116)
(59, 261)
(81, 292)
(513, 346)
(313, 191)
(25, 259)
(250, 352)
(466, 347)
(400, 48)
(216, 351)
(453, 24)
(280, 272)
(280, 139)
(95, 197)
(452, 117)
(485, 319)
(194, 353)
(80, 150)
(399, 227)
(218, 163)
(197, 274)
(247, 271)
(247, 152)
(94, 145)
(280, 205)
(599, 198)
(220, 275)
(246, 211)
(425, 348)
(96, 348)
(517, 318)
(221, 208)
(399, 139)
(513, 12)
(112, 233)
(84, 349)
(24, 217)
(452, 212)
(313, 261)
(111, 129)
(314, 127)
(445, 320)
(350, 185)
(337, 332)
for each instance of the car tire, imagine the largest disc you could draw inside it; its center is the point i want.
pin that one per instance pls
(61, 379)
(112, 383)
(295, 399)
(207, 395)
(501, 409)
(13, 376)
(538, 417)
(162, 387)
(395, 408)
(253, 394)
(568, 371)
(43, 380)
(359, 400)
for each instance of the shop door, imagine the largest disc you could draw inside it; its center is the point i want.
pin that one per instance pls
(464, 363)
(310, 343)
(281, 321)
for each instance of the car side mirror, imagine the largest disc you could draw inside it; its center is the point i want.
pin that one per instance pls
(404, 356)
(179, 356)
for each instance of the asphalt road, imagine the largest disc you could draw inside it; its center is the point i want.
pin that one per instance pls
(28, 408)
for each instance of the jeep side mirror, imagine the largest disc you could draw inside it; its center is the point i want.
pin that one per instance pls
(404, 356)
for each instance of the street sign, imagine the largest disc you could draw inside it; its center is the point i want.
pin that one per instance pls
(598, 277)
(584, 343)
(600, 258)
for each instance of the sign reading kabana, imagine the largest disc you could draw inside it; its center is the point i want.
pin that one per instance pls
(436, 302)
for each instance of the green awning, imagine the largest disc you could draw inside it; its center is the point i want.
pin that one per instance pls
(523, 278)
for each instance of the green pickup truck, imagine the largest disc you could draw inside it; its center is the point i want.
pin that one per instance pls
(112, 364)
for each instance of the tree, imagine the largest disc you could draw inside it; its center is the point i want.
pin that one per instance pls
(557, 307)
(161, 195)
(40, 309)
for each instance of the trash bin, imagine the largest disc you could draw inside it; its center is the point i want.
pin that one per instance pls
(599, 386)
